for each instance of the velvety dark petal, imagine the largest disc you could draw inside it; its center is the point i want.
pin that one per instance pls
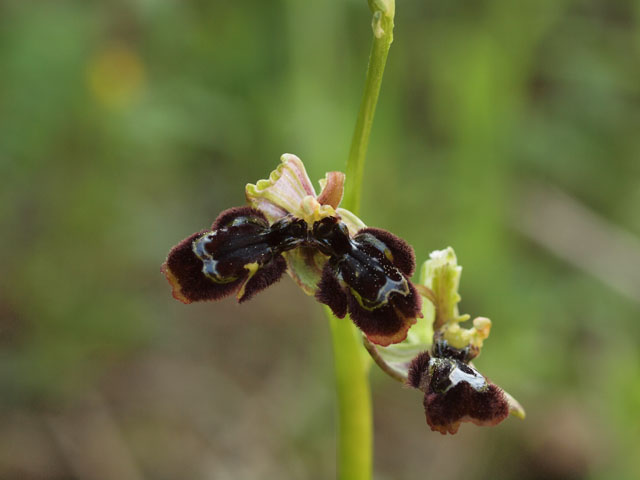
(384, 325)
(381, 300)
(462, 403)
(418, 371)
(410, 306)
(229, 215)
(262, 278)
(331, 293)
(183, 270)
(402, 254)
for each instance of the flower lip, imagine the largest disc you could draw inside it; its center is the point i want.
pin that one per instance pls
(184, 273)
(245, 243)
(241, 252)
(366, 276)
(454, 391)
(359, 263)
(368, 269)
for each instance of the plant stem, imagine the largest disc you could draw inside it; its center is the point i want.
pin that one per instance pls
(383, 36)
(355, 441)
(384, 366)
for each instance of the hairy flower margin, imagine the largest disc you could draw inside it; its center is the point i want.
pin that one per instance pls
(327, 250)
(355, 270)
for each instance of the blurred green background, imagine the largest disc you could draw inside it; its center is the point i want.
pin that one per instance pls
(506, 129)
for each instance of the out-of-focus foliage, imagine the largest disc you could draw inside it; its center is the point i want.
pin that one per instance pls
(125, 125)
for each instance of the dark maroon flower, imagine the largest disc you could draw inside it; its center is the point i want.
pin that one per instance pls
(241, 252)
(455, 392)
(367, 276)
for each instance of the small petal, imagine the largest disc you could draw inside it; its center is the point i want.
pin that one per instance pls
(332, 189)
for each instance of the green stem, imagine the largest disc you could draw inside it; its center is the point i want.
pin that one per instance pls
(355, 441)
(383, 12)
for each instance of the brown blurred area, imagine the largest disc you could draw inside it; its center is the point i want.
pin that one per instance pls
(508, 130)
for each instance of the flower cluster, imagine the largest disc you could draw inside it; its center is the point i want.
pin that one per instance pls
(361, 271)
(436, 357)
(356, 270)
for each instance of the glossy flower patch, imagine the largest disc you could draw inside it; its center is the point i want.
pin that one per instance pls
(455, 392)
(355, 270)
(327, 250)
(437, 353)
(367, 276)
(241, 253)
